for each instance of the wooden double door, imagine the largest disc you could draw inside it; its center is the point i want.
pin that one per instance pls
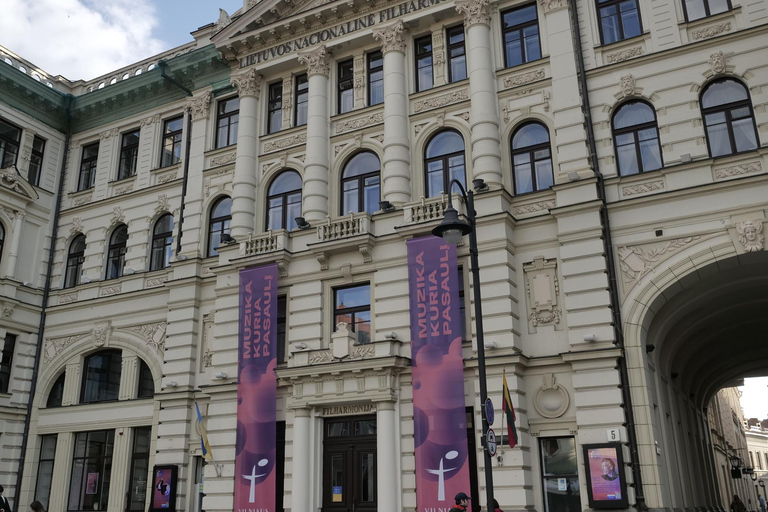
(349, 465)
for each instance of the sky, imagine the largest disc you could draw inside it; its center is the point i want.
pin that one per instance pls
(83, 39)
(754, 398)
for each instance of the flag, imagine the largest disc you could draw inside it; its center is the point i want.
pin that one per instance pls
(204, 445)
(509, 410)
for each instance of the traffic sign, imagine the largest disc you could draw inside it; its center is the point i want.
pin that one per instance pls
(490, 442)
(489, 411)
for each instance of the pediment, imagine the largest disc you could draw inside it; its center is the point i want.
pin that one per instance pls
(11, 180)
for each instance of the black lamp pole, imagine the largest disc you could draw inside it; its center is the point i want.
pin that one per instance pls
(452, 229)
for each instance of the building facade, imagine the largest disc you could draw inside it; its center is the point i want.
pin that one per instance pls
(756, 432)
(618, 157)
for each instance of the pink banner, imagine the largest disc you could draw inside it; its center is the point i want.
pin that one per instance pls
(440, 423)
(255, 448)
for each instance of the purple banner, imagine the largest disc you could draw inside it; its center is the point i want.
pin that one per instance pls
(440, 424)
(255, 449)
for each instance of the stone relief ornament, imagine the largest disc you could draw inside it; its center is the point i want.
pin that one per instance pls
(317, 61)
(392, 37)
(224, 159)
(106, 135)
(553, 5)
(551, 399)
(247, 84)
(198, 107)
(356, 124)
(149, 121)
(224, 19)
(475, 12)
(627, 84)
(704, 33)
(642, 188)
(153, 334)
(77, 225)
(738, 170)
(322, 356)
(624, 55)
(100, 332)
(117, 215)
(163, 204)
(54, 346)
(441, 101)
(542, 288)
(8, 309)
(750, 235)
(524, 78)
(538, 206)
(717, 62)
(637, 262)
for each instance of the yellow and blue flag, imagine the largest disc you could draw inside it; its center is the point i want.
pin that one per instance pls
(204, 445)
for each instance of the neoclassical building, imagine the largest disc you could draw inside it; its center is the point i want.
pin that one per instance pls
(617, 150)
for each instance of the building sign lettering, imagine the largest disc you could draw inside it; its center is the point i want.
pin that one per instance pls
(343, 410)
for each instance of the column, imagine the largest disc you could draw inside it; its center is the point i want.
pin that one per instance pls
(316, 170)
(302, 458)
(244, 180)
(120, 470)
(62, 464)
(386, 457)
(396, 170)
(484, 104)
(13, 251)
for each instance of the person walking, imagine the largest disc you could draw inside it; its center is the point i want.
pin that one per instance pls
(4, 505)
(462, 503)
(737, 505)
(761, 501)
(36, 506)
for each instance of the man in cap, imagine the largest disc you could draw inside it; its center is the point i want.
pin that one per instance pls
(462, 503)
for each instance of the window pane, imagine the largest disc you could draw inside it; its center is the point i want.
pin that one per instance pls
(630, 19)
(372, 195)
(362, 327)
(532, 49)
(559, 455)
(293, 210)
(425, 73)
(556, 499)
(523, 179)
(458, 68)
(445, 143)
(435, 178)
(531, 134)
(649, 150)
(513, 49)
(368, 469)
(338, 429)
(519, 16)
(610, 24)
(632, 114)
(346, 101)
(627, 156)
(723, 92)
(544, 177)
(695, 9)
(744, 135)
(353, 297)
(102, 376)
(350, 197)
(365, 428)
(456, 168)
(719, 143)
(717, 6)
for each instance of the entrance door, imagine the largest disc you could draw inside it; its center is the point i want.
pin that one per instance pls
(349, 465)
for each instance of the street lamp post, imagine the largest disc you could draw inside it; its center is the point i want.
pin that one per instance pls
(452, 229)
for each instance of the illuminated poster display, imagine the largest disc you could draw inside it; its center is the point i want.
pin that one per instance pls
(163, 488)
(605, 477)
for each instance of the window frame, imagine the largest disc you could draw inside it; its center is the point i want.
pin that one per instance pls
(370, 70)
(6, 365)
(225, 228)
(275, 105)
(445, 161)
(111, 353)
(361, 188)
(287, 224)
(602, 4)
(105, 461)
(346, 85)
(128, 153)
(301, 80)
(171, 136)
(43, 460)
(726, 108)
(36, 160)
(423, 55)
(166, 238)
(531, 150)
(520, 27)
(88, 167)
(452, 46)
(634, 130)
(62, 377)
(116, 252)
(13, 143)
(543, 477)
(707, 10)
(79, 258)
(137, 456)
(233, 119)
(352, 311)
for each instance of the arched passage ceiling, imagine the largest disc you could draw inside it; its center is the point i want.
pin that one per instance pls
(713, 329)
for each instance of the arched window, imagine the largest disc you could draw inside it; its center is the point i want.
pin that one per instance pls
(531, 158)
(75, 259)
(162, 242)
(118, 244)
(284, 201)
(146, 382)
(360, 184)
(444, 161)
(636, 137)
(728, 118)
(221, 216)
(57, 392)
(101, 376)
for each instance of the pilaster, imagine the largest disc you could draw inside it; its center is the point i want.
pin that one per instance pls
(13, 251)
(121, 458)
(360, 67)
(438, 62)
(57, 502)
(386, 457)
(26, 152)
(302, 459)
(198, 109)
(71, 383)
(128, 377)
(287, 102)
(248, 85)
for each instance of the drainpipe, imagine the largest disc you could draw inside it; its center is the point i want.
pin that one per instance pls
(629, 414)
(69, 103)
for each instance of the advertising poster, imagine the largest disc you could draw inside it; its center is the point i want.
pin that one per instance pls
(162, 488)
(605, 482)
(92, 485)
(440, 425)
(255, 447)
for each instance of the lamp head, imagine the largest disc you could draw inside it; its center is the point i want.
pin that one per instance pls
(227, 239)
(452, 228)
(302, 223)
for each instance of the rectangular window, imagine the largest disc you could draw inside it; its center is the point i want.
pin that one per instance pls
(9, 144)
(91, 470)
(521, 35)
(619, 20)
(275, 116)
(352, 305)
(423, 47)
(559, 473)
(302, 100)
(7, 362)
(36, 161)
(137, 495)
(282, 322)
(375, 78)
(45, 468)
(697, 9)
(88, 166)
(172, 129)
(227, 118)
(457, 60)
(129, 155)
(346, 86)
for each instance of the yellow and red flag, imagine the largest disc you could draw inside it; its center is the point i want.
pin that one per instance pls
(509, 410)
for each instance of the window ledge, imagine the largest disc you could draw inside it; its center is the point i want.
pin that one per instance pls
(176, 166)
(628, 41)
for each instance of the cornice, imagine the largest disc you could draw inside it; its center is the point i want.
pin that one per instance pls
(23, 93)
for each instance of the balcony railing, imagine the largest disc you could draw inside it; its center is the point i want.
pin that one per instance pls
(352, 225)
(429, 208)
(267, 242)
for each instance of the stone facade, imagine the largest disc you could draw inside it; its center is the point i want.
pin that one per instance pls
(575, 343)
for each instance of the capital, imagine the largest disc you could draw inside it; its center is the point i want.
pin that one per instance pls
(247, 84)
(553, 5)
(475, 12)
(198, 106)
(317, 61)
(392, 37)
